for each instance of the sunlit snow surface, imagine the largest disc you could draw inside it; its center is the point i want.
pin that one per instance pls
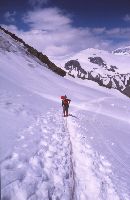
(45, 156)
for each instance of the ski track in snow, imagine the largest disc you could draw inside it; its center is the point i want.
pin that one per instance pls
(52, 161)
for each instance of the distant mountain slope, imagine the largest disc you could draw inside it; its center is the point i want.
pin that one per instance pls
(34, 52)
(122, 51)
(107, 69)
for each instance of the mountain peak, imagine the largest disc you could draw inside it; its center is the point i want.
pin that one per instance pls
(105, 68)
(122, 51)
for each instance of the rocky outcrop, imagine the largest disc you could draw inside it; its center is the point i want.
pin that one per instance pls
(118, 81)
(43, 58)
(126, 91)
(75, 65)
(97, 60)
(100, 62)
(112, 68)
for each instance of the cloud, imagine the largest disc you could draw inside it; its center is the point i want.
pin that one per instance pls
(98, 31)
(119, 33)
(127, 18)
(37, 3)
(52, 32)
(10, 16)
(46, 19)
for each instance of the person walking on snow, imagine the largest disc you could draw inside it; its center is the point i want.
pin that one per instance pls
(65, 105)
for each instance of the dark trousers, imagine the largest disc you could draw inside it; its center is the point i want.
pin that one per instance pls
(65, 110)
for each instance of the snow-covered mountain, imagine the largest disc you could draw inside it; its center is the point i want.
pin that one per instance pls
(5, 45)
(122, 51)
(45, 156)
(107, 69)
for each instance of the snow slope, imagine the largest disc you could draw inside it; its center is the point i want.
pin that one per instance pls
(45, 156)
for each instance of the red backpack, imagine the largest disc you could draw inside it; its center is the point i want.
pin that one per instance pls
(65, 101)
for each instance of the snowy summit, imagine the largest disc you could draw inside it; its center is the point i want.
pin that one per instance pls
(107, 69)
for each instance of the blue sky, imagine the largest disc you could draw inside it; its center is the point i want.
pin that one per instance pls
(63, 27)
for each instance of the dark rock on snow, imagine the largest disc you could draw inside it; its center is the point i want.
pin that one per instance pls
(118, 81)
(39, 55)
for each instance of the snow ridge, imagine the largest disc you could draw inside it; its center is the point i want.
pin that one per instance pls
(12, 38)
(122, 51)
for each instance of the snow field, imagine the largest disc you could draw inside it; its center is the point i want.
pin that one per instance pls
(92, 170)
(40, 165)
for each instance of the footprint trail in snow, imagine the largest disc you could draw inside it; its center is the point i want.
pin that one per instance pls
(40, 166)
(53, 161)
(92, 181)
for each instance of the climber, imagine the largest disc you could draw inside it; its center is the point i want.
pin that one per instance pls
(65, 105)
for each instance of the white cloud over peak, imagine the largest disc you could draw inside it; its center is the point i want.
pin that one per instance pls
(53, 32)
(119, 33)
(46, 19)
